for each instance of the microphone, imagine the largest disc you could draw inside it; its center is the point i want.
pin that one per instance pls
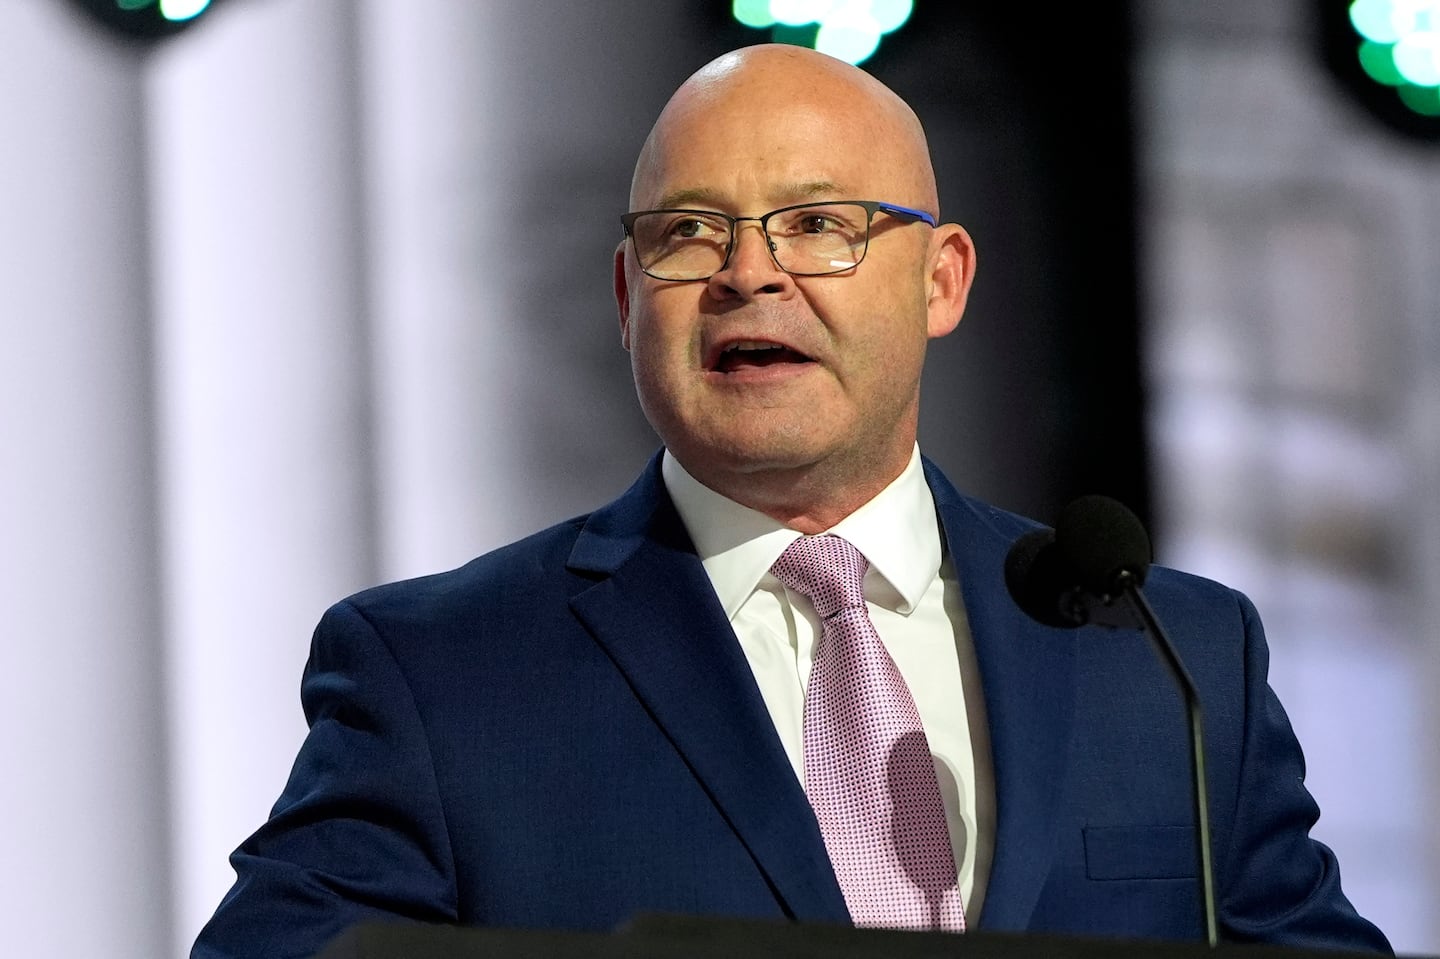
(1089, 570)
(1037, 580)
(1072, 575)
(1101, 540)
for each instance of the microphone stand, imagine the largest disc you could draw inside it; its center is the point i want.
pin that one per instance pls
(1130, 589)
(1039, 570)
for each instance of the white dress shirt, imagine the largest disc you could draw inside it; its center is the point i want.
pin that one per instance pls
(914, 600)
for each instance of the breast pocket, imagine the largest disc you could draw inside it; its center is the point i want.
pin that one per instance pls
(1140, 852)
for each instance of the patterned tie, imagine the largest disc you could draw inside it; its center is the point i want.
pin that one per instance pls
(868, 771)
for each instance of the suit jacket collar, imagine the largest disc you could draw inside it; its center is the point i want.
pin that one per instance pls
(655, 614)
(1026, 671)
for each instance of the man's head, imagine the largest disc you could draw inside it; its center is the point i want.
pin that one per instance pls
(808, 432)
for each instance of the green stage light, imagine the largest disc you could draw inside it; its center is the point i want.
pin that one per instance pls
(1401, 48)
(797, 13)
(1378, 64)
(753, 13)
(182, 9)
(1423, 100)
(146, 19)
(849, 30)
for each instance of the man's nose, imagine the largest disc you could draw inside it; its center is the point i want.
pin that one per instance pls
(751, 269)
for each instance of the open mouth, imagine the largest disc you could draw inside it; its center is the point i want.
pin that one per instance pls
(755, 354)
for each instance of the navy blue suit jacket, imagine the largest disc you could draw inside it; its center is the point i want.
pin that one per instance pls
(565, 732)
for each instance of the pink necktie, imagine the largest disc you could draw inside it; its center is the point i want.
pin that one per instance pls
(868, 771)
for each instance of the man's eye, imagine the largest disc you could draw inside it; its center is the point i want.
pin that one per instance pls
(818, 223)
(692, 228)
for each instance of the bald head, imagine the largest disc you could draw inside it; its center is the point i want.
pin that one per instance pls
(768, 89)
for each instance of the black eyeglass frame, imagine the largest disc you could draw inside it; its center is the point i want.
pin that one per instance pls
(871, 207)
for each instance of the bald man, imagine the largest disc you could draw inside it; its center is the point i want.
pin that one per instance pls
(679, 703)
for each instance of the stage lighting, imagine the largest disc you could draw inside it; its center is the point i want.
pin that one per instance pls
(145, 19)
(849, 30)
(1400, 47)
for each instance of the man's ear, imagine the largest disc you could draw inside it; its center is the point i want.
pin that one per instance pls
(622, 295)
(950, 271)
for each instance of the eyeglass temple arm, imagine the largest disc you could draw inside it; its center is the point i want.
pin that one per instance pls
(906, 212)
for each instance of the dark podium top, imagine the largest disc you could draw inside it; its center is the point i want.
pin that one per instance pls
(677, 937)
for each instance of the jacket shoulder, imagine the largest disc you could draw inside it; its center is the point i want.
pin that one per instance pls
(524, 569)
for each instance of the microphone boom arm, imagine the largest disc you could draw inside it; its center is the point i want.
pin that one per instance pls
(1130, 589)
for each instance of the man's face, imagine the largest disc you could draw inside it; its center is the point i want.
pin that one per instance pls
(755, 370)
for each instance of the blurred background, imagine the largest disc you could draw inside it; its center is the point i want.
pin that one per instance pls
(304, 295)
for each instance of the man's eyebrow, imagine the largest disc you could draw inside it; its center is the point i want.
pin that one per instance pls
(811, 190)
(688, 197)
(709, 198)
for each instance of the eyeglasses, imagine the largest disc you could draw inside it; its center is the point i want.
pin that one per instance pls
(808, 239)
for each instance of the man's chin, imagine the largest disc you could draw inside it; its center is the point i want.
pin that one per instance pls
(755, 463)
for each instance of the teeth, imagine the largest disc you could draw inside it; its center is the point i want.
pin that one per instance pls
(753, 345)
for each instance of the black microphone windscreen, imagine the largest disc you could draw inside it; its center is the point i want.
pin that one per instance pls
(1037, 580)
(1098, 538)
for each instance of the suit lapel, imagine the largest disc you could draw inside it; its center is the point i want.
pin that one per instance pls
(655, 613)
(1026, 670)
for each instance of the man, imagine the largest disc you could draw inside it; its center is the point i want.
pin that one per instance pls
(621, 715)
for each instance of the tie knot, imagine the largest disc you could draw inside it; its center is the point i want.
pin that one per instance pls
(827, 569)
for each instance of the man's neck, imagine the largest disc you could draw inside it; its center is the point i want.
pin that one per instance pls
(806, 499)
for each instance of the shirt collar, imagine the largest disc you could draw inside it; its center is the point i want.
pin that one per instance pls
(897, 531)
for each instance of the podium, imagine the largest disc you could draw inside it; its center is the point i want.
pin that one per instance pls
(684, 937)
